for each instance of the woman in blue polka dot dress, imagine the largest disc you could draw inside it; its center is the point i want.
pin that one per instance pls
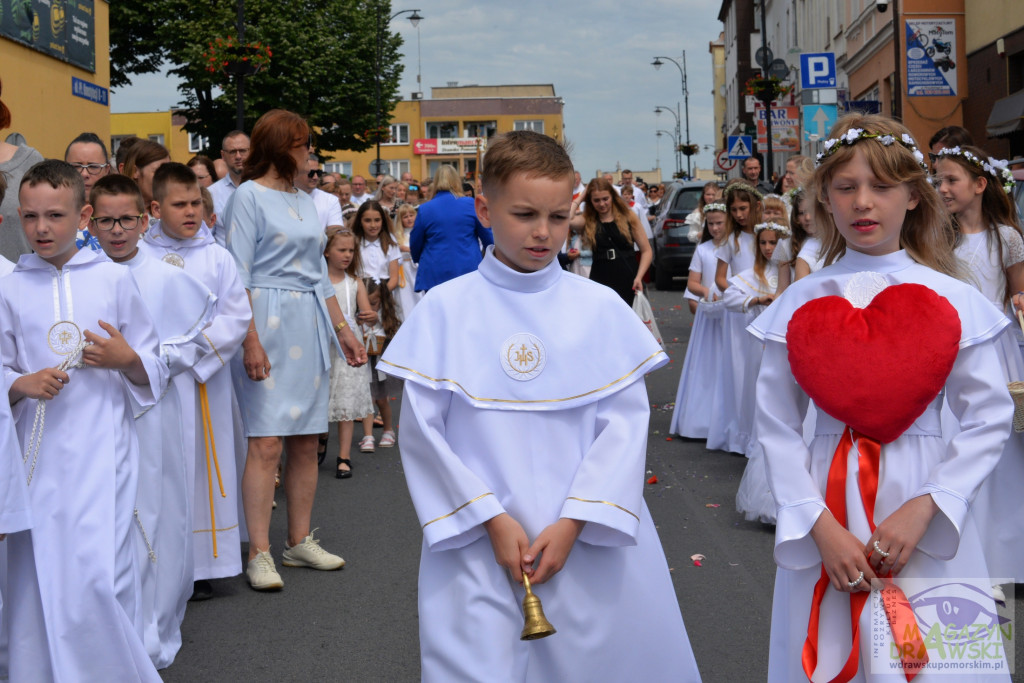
(278, 243)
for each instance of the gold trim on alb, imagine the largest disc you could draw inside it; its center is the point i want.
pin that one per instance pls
(468, 502)
(604, 502)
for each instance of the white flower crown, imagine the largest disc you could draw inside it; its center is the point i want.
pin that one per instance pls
(782, 230)
(735, 187)
(853, 135)
(997, 168)
(715, 206)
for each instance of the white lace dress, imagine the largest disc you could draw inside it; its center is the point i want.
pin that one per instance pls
(350, 387)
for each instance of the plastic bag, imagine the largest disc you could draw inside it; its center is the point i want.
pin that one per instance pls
(642, 307)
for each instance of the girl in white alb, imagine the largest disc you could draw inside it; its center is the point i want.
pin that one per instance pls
(876, 339)
(380, 256)
(697, 397)
(991, 249)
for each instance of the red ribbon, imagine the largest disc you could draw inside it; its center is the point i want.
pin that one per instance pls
(913, 654)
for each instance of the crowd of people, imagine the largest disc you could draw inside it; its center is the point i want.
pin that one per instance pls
(211, 320)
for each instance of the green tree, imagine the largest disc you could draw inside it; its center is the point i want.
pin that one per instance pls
(323, 65)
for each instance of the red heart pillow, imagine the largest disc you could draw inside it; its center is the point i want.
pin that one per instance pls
(877, 368)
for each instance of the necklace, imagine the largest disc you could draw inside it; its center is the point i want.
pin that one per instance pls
(293, 211)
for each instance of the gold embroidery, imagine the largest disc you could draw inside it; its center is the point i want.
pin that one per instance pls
(482, 495)
(542, 400)
(756, 288)
(604, 502)
(214, 349)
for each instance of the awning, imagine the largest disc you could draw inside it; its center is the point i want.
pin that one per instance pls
(1007, 115)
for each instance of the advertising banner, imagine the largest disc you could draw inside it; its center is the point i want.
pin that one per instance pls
(448, 145)
(63, 29)
(931, 53)
(785, 128)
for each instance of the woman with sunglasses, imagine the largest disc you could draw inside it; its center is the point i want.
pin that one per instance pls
(278, 241)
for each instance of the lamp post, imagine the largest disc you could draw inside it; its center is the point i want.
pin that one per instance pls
(675, 140)
(381, 25)
(686, 97)
(678, 155)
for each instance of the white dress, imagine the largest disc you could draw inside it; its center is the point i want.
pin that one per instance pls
(181, 308)
(811, 251)
(999, 505)
(918, 462)
(740, 360)
(407, 297)
(217, 532)
(350, 387)
(697, 393)
(739, 257)
(74, 578)
(506, 415)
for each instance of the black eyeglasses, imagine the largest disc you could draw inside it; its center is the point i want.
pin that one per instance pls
(107, 223)
(932, 157)
(91, 169)
(315, 173)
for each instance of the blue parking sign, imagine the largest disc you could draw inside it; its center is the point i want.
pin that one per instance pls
(817, 70)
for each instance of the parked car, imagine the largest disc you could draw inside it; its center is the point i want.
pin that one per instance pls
(673, 249)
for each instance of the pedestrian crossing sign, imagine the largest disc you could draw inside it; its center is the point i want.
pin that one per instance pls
(740, 146)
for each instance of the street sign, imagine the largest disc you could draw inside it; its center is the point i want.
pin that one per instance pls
(723, 163)
(740, 146)
(378, 167)
(819, 119)
(779, 69)
(817, 70)
(763, 56)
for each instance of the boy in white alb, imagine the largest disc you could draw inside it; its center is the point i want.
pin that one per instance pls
(73, 579)
(508, 455)
(182, 239)
(181, 308)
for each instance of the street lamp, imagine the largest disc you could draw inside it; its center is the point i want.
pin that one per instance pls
(415, 21)
(678, 155)
(686, 96)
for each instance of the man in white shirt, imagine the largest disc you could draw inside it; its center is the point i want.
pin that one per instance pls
(579, 188)
(328, 208)
(234, 151)
(359, 193)
(638, 195)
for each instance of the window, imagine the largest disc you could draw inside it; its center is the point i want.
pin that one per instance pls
(399, 134)
(480, 129)
(536, 126)
(435, 164)
(395, 167)
(197, 143)
(342, 167)
(115, 142)
(159, 139)
(442, 129)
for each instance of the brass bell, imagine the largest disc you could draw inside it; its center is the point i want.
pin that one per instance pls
(537, 625)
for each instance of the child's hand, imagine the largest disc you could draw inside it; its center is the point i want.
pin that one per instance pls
(554, 545)
(112, 353)
(899, 534)
(45, 384)
(842, 554)
(1018, 301)
(509, 543)
(367, 317)
(573, 254)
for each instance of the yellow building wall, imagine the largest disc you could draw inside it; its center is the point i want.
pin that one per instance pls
(408, 112)
(988, 20)
(147, 124)
(37, 90)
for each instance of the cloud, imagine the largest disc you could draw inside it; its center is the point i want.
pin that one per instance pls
(596, 54)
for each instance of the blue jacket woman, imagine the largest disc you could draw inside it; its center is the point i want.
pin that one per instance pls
(447, 239)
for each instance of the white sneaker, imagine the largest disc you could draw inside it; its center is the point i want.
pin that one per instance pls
(262, 574)
(310, 554)
(366, 445)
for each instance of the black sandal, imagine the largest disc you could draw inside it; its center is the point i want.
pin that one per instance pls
(321, 449)
(343, 474)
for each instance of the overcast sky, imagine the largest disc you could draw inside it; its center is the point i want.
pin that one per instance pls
(597, 54)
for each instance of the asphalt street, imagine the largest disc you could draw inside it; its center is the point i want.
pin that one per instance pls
(361, 623)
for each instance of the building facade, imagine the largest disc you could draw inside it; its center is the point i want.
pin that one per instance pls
(995, 63)
(452, 127)
(55, 69)
(164, 127)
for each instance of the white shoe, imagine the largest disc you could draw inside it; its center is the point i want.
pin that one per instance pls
(310, 554)
(366, 445)
(262, 574)
(387, 439)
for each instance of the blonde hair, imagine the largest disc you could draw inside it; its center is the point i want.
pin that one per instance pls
(774, 201)
(927, 234)
(760, 262)
(739, 191)
(337, 232)
(446, 179)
